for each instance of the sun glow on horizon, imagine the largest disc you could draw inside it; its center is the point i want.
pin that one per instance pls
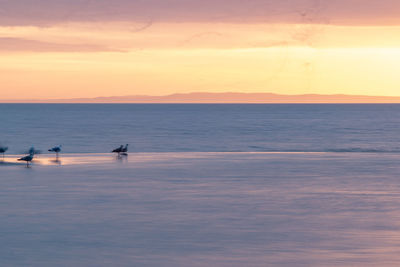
(91, 60)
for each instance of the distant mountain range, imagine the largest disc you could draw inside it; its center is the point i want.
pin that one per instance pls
(223, 98)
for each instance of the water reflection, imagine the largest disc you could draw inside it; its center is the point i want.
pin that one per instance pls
(56, 161)
(122, 157)
(230, 209)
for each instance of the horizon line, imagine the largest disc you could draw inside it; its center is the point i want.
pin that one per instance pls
(218, 98)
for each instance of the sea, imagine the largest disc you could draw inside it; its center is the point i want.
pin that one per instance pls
(98, 128)
(202, 185)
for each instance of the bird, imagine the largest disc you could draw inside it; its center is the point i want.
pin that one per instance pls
(56, 149)
(3, 149)
(118, 150)
(125, 149)
(32, 150)
(28, 159)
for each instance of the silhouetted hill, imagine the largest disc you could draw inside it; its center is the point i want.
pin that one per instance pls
(223, 98)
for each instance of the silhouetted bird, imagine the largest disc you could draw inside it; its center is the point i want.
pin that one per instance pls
(125, 149)
(28, 159)
(33, 151)
(56, 149)
(118, 150)
(3, 149)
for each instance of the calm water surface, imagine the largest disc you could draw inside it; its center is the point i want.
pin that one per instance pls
(98, 128)
(203, 209)
(217, 195)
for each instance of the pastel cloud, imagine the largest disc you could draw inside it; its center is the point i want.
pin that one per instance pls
(8, 44)
(116, 37)
(66, 48)
(50, 12)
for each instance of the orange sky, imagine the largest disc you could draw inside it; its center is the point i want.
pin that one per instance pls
(72, 59)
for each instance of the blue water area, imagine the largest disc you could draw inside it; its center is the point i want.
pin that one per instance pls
(90, 128)
(202, 209)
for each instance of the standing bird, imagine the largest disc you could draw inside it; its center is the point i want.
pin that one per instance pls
(118, 150)
(56, 149)
(28, 159)
(32, 151)
(125, 149)
(3, 149)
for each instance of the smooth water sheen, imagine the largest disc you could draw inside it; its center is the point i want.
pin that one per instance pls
(98, 128)
(202, 209)
(301, 202)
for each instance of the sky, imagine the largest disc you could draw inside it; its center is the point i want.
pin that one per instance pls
(88, 48)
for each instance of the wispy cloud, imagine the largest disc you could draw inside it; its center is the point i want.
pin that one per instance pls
(50, 12)
(8, 44)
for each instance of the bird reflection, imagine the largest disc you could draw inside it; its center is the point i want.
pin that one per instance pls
(123, 157)
(56, 161)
